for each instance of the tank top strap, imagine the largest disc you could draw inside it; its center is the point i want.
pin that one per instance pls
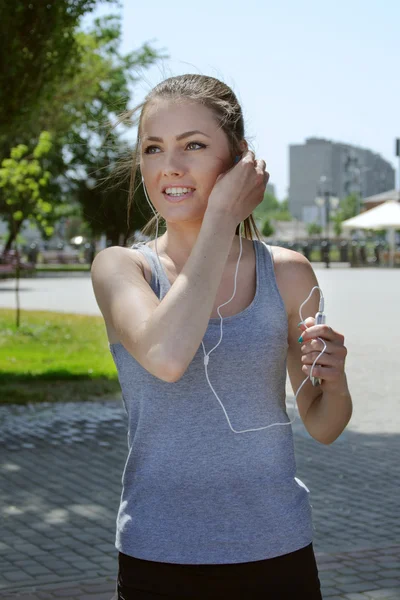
(159, 280)
(267, 272)
(268, 277)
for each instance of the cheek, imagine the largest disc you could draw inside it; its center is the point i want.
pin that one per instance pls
(146, 169)
(208, 171)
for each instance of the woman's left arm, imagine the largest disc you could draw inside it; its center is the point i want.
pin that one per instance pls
(325, 409)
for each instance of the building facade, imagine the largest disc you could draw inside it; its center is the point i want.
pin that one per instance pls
(320, 166)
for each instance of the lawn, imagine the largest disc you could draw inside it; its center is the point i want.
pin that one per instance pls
(54, 357)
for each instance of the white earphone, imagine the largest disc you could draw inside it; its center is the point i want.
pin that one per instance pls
(319, 318)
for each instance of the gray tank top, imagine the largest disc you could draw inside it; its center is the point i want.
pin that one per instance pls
(194, 492)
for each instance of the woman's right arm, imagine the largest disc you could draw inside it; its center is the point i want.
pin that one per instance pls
(165, 336)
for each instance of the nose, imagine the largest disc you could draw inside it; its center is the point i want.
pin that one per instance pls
(172, 167)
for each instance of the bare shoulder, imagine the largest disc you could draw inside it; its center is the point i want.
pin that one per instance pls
(289, 263)
(295, 276)
(115, 261)
(285, 256)
(120, 288)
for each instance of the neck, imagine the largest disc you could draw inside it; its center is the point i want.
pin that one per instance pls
(179, 239)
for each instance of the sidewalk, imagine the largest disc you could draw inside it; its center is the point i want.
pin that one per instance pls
(60, 481)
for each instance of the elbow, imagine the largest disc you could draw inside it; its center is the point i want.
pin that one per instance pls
(170, 375)
(164, 369)
(154, 361)
(174, 373)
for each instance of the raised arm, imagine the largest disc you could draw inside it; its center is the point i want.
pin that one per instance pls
(164, 336)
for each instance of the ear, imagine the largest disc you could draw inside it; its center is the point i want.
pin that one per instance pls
(243, 146)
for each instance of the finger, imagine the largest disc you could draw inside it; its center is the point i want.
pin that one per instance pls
(325, 373)
(261, 165)
(327, 360)
(309, 322)
(316, 344)
(323, 331)
(249, 156)
(260, 170)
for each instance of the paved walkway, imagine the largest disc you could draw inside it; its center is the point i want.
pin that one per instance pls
(61, 468)
(60, 476)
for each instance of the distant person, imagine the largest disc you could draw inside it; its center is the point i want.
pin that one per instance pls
(210, 504)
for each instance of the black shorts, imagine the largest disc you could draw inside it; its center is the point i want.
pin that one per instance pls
(288, 577)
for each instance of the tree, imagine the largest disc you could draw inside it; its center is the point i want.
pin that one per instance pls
(101, 191)
(23, 177)
(269, 204)
(314, 229)
(104, 199)
(284, 205)
(78, 116)
(42, 51)
(347, 209)
(267, 230)
(281, 215)
(272, 209)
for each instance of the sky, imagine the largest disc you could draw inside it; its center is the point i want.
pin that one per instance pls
(300, 68)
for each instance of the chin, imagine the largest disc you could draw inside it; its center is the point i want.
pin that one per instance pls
(182, 216)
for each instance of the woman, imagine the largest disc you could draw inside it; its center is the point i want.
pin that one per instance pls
(210, 505)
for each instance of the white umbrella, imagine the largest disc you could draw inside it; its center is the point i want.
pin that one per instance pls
(385, 216)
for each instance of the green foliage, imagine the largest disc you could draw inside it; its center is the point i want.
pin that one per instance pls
(347, 209)
(98, 89)
(337, 226)
(267, 230)
(272, 209)
(22, 179)
(77, 108)
(41, 49)
(268, 205)
(103, 190)
(285, 204)
(280, 215)
(314, 229)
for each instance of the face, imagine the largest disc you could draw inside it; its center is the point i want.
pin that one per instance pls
(183, 150)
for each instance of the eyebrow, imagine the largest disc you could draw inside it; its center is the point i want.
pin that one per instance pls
(182, 136)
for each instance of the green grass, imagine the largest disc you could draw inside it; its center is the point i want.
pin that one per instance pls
(53, 357)
(56, 268)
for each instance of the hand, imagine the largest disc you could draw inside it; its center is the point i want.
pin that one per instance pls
(240, 190)
(330, 366)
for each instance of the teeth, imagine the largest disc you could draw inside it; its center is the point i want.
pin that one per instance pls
(177, 190)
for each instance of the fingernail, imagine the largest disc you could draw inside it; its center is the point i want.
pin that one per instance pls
(300, 339)
(301, 323)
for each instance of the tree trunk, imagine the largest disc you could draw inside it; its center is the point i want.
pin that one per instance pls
(113, 236)
(14, 229)
(17, 279)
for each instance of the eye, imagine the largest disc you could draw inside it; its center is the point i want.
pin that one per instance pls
(196, 144)
(149, 149)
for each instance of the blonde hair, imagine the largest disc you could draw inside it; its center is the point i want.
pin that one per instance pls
(215, 95)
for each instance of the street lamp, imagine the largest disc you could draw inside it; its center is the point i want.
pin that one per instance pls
(325, 198)
(359, 180)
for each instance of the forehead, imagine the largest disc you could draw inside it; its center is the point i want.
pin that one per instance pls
(172, 117)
